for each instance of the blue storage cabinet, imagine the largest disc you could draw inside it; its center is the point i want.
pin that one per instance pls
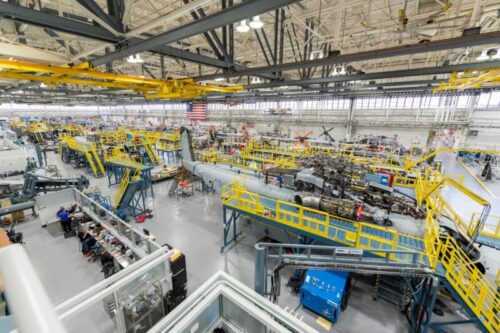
(322, 292)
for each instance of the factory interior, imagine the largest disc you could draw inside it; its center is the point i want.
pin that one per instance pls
(249, 166)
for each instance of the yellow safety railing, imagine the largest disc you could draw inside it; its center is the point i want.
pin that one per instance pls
(490, 229)
(38, 127)
(354, 153)
(283, 162)
(411, 163)
(172, 136)
(153, 156)
(475, 290)
(39, 137)
(163, 145)
(75, 130)
(404, 180)
(248, 161)
(348, 232)
(116, 156)
(17, 123)
(480, 295)
(95, 154)
(108, 139)
(90, 152)
(122, 188)
(209, 156)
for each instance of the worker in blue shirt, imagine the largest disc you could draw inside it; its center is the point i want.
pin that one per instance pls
(63, 216)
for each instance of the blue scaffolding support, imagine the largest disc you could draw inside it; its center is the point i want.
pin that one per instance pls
(115, 172)
(133, 201)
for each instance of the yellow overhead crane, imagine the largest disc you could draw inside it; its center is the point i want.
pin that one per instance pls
(471, 79)
(84, 74)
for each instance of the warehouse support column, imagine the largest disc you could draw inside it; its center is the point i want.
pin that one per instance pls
(435, 290)
(40, 155)
(260, 277)
(350, 117)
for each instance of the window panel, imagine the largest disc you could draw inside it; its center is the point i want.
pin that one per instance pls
(463, 101)
(434, 101)
(393, 103)
(401, 102)
(483, 100)
(494, 100)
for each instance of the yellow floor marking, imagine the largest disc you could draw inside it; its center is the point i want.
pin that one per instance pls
(327, 325)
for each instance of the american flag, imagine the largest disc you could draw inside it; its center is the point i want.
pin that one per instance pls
(197, 111)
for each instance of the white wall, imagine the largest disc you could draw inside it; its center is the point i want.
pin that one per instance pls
(406, 135)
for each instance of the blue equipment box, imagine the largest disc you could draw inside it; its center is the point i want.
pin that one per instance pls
(322, 292)
(379, 178)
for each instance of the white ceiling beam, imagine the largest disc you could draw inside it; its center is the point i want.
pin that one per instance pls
(9, 50)
(167, 18)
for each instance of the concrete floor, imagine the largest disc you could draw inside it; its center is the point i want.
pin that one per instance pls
(466, 207)
(193, 225)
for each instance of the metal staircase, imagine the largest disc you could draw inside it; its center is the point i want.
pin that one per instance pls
(390, 288)
(39, 137)
(152, 155)
(131, 193)
(122, 188)
(173, 187)
(96, 160)
(90, 152)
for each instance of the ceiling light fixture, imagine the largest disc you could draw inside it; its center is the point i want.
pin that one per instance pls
(496, 56)
(256, 23)
(135, 59)
(255, 80)
(243, 27)
(316, 55)
(484, 56)
(218, 79)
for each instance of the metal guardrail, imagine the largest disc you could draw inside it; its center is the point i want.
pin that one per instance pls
(247, 161)
(475, 290)
(351, 233)
(89, 150)
(30, 305)
(490, 229)
(198, 313)
(335, 258)
(133, 238)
